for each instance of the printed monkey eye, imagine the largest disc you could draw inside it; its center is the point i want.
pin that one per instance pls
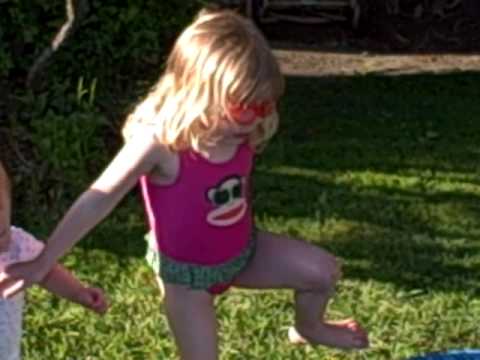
(237, 191)
(211, 195)
(221, 197)
(226, 191)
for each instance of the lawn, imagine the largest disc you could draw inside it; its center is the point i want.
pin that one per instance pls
(381, 171)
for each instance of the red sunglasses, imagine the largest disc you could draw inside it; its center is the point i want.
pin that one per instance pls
(247, 114)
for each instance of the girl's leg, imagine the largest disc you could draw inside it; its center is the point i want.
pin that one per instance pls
(161, 286)
(281, 262)
(191, 315)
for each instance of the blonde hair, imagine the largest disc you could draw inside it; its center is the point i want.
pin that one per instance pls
(220, 59)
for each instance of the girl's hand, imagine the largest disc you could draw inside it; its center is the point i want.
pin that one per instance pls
(93, 299)
(20, 276)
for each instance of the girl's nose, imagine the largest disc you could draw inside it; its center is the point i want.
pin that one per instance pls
(244, 116)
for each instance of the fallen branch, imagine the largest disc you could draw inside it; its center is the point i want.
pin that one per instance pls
(76, 10)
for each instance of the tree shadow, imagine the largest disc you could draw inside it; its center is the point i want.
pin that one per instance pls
(393, 160)
(395, 236)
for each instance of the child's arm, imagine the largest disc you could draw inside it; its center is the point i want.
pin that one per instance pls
(61, 282)
(137, 157)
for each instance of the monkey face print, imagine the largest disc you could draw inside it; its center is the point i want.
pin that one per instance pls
(229, 202)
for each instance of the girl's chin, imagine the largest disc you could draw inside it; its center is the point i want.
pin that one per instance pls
(236, 139)
(240, 139)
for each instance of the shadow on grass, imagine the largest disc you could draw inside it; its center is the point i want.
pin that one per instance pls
(386, 168)
(413, 242)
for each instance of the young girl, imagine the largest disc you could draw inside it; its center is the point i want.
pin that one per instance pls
(16, 245)
(191, 145)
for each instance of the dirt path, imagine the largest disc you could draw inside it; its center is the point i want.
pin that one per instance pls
(321, 63)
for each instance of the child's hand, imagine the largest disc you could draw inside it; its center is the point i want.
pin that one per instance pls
(93, 299)
(20, 276)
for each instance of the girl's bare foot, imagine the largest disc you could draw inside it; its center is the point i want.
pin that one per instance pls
(346, 334)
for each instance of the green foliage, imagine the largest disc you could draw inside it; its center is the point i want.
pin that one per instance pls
(25, 27)
(87, 85)
(6, 61)
(69, 144)
(119, 35)
(112, 35)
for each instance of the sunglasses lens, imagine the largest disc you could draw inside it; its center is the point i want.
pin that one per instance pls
(245, 116)
(248, 114)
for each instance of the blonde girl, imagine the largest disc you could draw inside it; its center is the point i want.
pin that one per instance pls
(190, 144)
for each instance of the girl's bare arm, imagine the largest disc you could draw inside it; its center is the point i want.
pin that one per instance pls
(136, 158)
(61, 282)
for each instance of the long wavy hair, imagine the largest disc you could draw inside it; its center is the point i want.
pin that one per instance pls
(219, 60)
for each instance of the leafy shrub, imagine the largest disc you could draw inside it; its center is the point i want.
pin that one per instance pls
(112, 34)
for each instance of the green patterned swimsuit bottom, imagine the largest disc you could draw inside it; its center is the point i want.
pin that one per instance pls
(216, 279)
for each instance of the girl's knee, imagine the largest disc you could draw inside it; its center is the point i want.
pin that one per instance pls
(333, 273)
(325, 274)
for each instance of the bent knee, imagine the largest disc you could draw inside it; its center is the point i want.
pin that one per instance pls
(325, 274)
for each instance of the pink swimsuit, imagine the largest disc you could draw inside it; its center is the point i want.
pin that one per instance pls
(205, 217)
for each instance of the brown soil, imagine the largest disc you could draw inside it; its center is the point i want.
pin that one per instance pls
(322, 63)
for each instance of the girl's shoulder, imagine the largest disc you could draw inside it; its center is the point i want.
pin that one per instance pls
(147, 146)
(162, 162)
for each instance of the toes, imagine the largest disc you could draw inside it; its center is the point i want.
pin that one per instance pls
(360, 335)
(361, 343)
(349, 324)
(344, 334)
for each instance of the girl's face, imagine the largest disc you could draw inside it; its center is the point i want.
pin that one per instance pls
(246, 118)
(4, 220)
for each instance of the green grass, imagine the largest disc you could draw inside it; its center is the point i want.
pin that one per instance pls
(381, 171)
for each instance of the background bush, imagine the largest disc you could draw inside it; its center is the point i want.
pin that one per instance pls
(59, 137)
